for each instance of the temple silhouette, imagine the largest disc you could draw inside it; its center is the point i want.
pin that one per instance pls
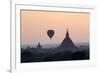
(67, 43)
(67, 50)
(39, 45)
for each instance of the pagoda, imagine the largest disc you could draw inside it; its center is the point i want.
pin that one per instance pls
(67, 43)
(39, 46)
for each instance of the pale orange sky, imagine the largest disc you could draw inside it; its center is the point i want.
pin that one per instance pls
(34, 26)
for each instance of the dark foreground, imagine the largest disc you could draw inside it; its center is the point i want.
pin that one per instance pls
(44, 55)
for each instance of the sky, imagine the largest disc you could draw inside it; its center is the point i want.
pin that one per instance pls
(35, 24)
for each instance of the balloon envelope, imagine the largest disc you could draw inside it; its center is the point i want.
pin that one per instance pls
(50, 33)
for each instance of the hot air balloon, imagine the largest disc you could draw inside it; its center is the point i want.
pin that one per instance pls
(50, 33)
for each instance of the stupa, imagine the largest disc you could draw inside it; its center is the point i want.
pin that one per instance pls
(39, 46)
(67, 43)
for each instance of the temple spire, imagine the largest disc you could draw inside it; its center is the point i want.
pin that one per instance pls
(67, 33)
(39, 46)
(67, 43)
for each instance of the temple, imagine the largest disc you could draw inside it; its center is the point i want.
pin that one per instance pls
(67, 43)
(39, 46)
